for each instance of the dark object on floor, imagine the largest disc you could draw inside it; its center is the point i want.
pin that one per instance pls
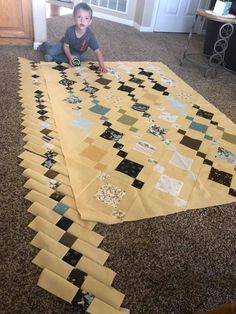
(211, 36)
(229, 308)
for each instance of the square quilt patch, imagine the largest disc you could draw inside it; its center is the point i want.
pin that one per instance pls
(169, 185)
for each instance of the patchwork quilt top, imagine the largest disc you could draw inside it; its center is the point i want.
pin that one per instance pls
(138, 142)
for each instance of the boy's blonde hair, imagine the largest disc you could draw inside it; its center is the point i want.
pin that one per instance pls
(83, 6)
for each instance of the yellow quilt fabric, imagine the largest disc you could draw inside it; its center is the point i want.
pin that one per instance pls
(138, 141)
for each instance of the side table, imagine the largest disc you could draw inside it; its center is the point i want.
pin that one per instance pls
(221, 44)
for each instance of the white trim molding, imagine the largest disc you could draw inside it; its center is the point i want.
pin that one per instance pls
(147, 29)
(113, 18)
(39, 22)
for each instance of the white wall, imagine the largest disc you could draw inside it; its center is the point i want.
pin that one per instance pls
(146, 15)
(39, 22)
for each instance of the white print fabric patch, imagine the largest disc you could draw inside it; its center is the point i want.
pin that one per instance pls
(181, 161)
(145, 148)
(166, 116)
(169, 185)
(158, 168)
(110, 195)
(48, 146)
(180, 203)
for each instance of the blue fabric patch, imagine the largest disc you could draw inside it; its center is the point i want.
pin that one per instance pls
(60, 208)
(82, 123)
(208, 137)
(175, 104)
(198, 127)
(99, 109)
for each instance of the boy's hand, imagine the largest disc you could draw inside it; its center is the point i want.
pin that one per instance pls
(71, 60)
(102, 69)
(100, 60)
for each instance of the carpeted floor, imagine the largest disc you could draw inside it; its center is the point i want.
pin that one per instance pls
(174, 264)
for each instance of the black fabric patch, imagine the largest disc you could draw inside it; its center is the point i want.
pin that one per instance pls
(57, 196)
(205, 114)
(145, 73)
(202, 155)
(232, 192)
(129, 168)
(42, 112)
(103, 81)
(208, 162)
(126, 88)
(220, 177)
(39, 92)
(118, 145)
(39, 101)
(111, 135)
(214, 122)
(140, 107)
(64, 223)
(41, 106)
(159, 87)
(196, 106)
(72, 257)
(136, 80)
(181, 132)
(43, 118)
(67, 82)
(191, 142)
(47, 138)
(106, 123)
(38, 96)
(50, 154)
(77, 277)
(69, 88)
(122, 154)
(60, 68)
(89, 89)
(146, 115)
(138, 184)
(94, 68)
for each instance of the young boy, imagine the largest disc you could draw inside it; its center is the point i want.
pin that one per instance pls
(78, 38)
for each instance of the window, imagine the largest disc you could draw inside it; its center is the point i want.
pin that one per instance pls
(114, 5)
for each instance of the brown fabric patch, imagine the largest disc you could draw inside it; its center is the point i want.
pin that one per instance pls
(68, 239)
(191, 142)
(51, 174)
(93, 153)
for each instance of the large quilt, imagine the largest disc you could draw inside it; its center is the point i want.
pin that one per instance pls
(138, 142)
(134, 143)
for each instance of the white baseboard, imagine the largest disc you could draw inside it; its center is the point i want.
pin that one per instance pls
(113, 18)
(36, 44)
(147, 29)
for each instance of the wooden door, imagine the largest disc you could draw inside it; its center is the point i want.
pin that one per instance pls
(16, 22)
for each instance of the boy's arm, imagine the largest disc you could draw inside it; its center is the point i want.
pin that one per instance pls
(70, 57)
(100, 60)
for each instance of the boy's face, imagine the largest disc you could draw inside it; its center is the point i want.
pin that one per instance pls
(82, 19)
